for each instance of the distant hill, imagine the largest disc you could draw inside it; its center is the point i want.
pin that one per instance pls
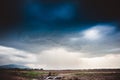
(13, 66)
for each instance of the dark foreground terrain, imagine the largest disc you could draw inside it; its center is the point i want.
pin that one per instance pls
(102, 74)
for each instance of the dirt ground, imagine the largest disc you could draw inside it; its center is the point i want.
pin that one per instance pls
(65, 74)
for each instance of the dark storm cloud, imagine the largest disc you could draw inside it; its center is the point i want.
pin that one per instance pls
(47, 22)
(44, 32)
(16, 11)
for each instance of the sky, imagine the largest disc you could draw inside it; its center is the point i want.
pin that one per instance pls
(60, 34)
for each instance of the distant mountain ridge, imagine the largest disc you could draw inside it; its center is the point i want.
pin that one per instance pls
(13, 66)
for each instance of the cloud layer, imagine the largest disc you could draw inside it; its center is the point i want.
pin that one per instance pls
(95, 47)
(57, 58)
(60, 33)
(11, 55)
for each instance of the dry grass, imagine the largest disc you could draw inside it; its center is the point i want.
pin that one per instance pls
(67, 74)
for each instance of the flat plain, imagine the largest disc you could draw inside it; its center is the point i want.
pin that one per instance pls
(32, 74)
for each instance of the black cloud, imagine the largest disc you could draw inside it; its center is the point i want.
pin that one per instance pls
(17, 25)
